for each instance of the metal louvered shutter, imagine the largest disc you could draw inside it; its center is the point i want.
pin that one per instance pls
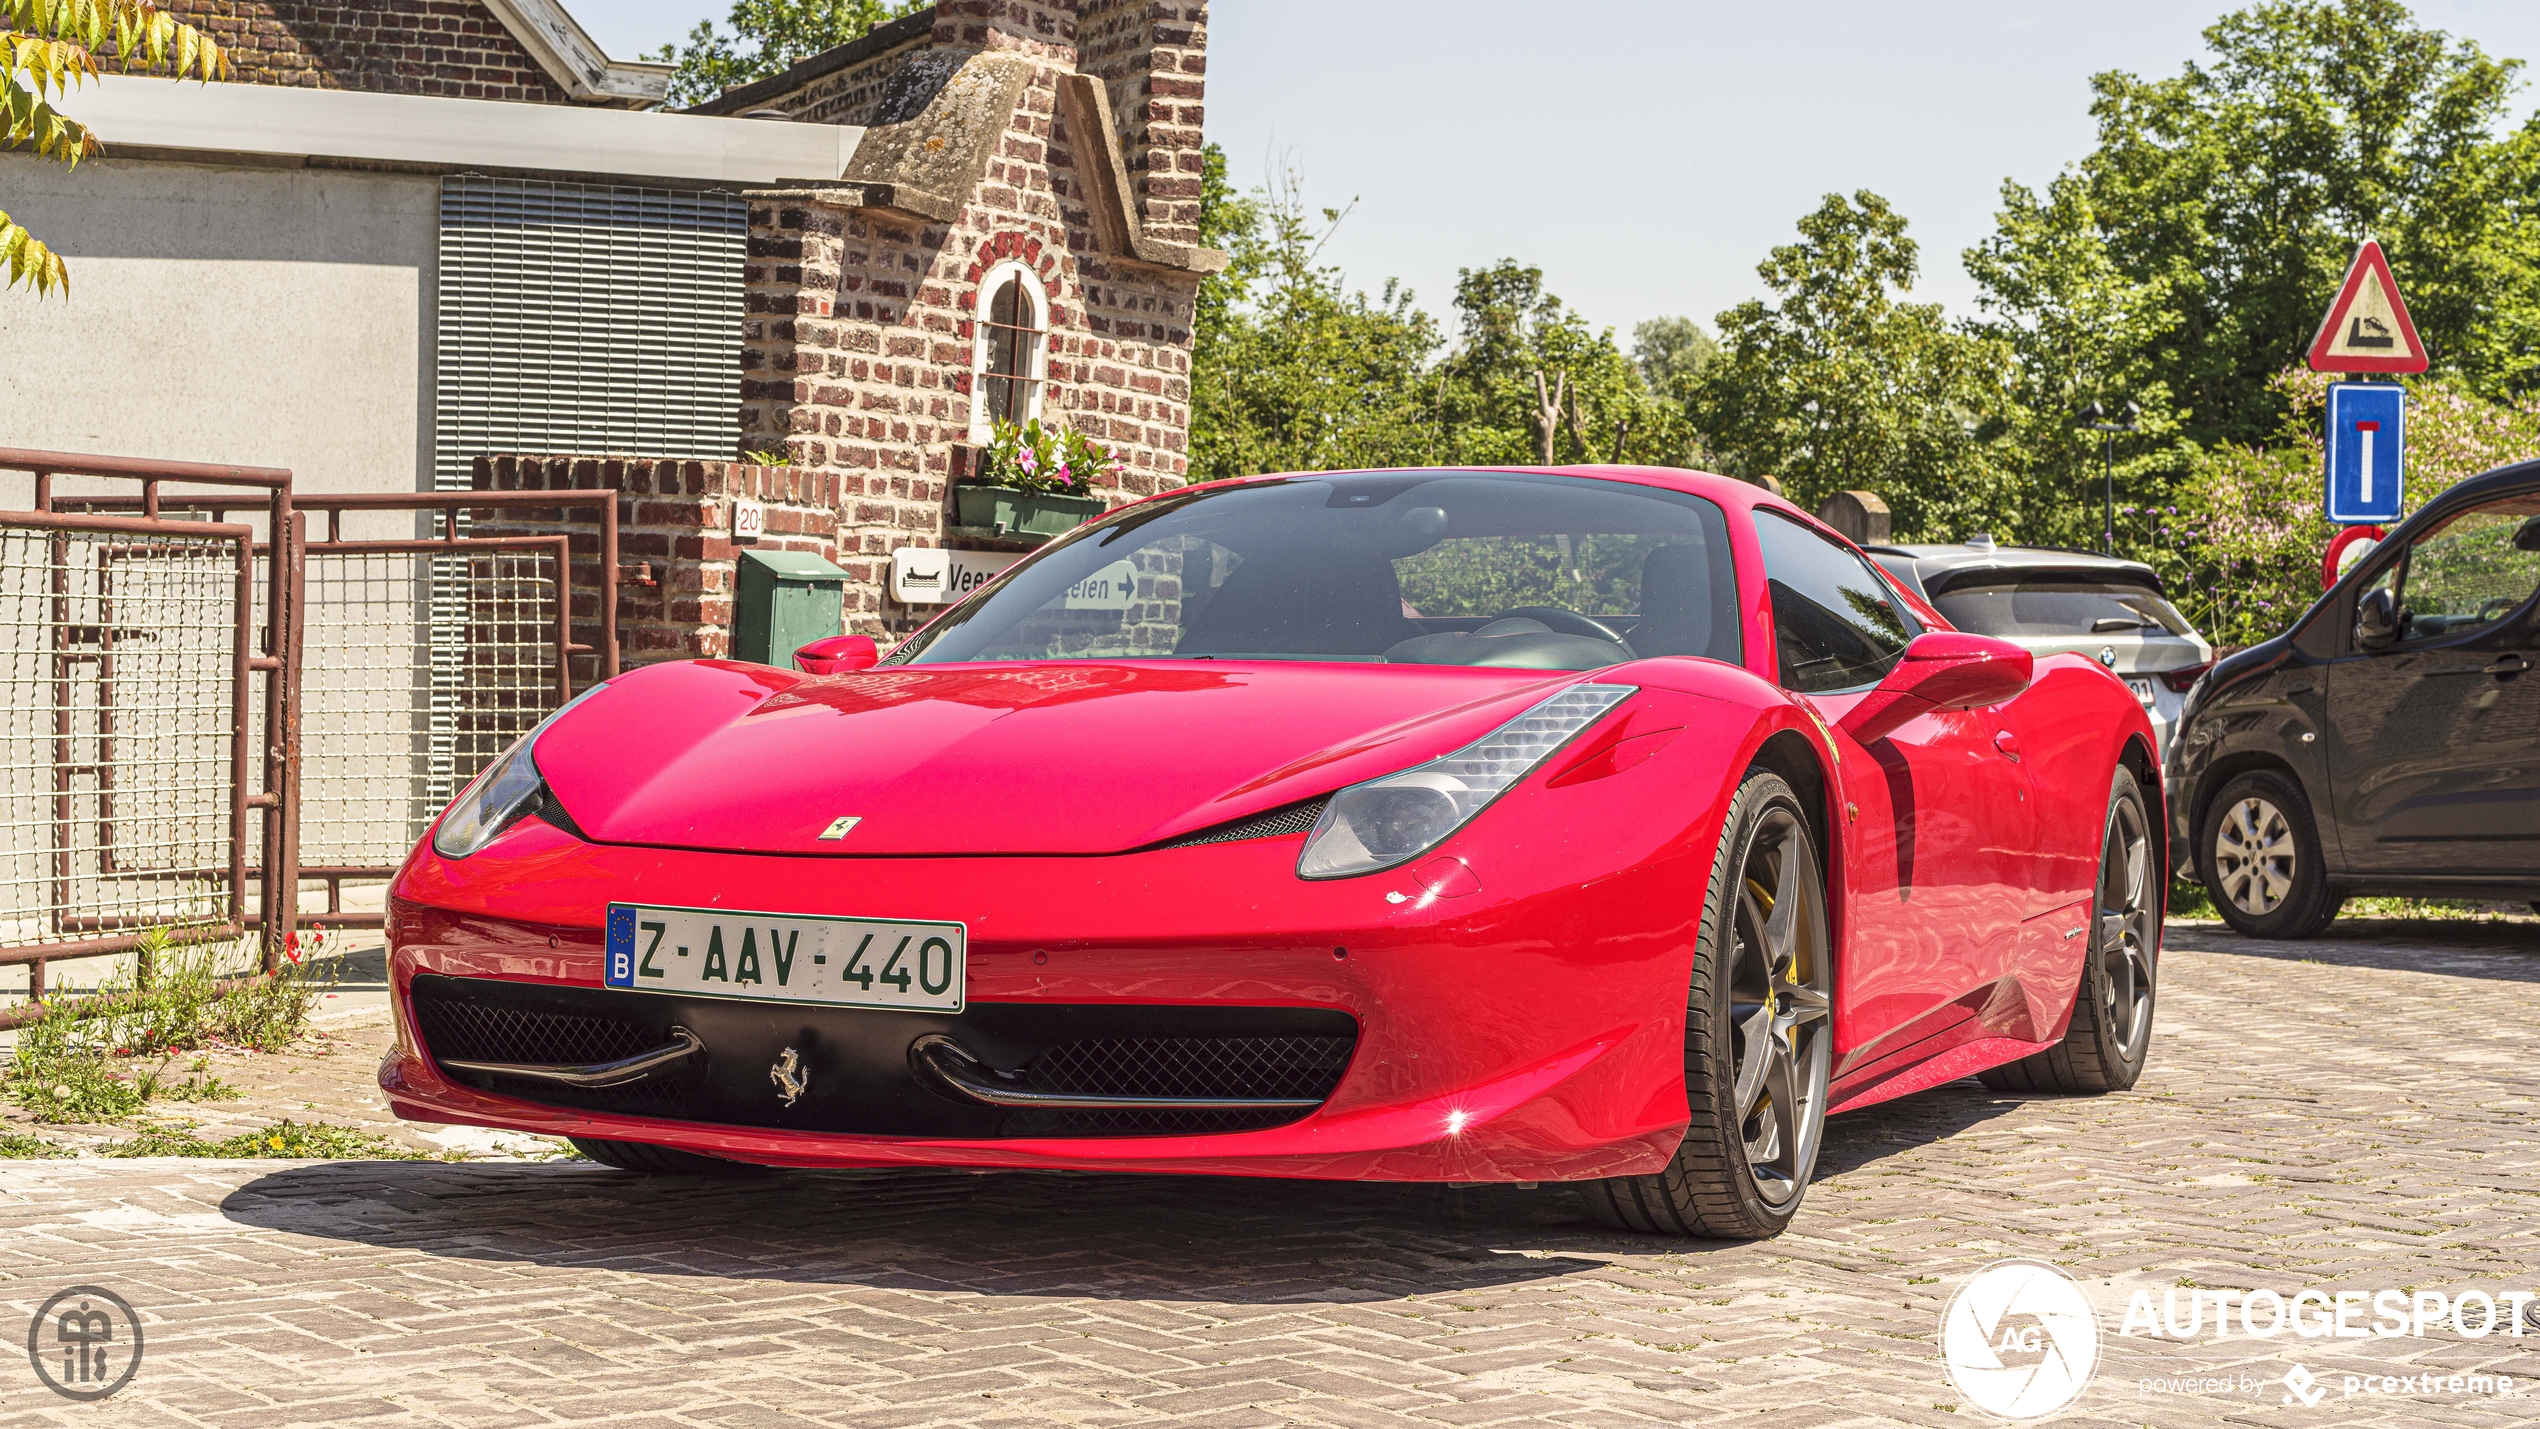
(585, 318)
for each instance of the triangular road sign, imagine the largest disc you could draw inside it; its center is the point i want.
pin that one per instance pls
(2368, 328)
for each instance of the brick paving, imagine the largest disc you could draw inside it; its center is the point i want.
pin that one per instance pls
(2349, 1113)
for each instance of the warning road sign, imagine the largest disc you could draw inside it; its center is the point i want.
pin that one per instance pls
(2367, 329)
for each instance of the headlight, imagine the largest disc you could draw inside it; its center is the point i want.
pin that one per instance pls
(1383, 822)
(509, 788)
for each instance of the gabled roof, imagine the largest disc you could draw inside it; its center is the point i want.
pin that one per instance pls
(575, 61)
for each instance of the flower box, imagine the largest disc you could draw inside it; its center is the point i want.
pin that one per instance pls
(1009, 511)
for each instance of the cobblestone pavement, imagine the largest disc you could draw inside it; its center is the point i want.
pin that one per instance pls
(2350, 1113)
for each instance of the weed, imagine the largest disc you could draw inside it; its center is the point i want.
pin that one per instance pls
(309, 1141)
(18, 1146)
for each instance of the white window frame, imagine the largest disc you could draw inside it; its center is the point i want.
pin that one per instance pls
(1038, 373)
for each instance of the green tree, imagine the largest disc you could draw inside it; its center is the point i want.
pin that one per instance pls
(2241, 185)
(769, 37)
(1521, 349)
(2077, 330)
(1671, 352)
(49, 48)
(1839, 383)
(1291, 369)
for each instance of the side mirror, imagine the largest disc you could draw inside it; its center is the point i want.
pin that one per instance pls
(837, 655)
(2527, 535)
(1942, 670)
(2376, 619)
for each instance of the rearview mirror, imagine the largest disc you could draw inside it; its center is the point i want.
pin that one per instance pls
(2376, 619)
(1941, 670)
(838, 655)
(2527, 535)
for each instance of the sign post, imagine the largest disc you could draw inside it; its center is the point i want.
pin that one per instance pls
(2367, 330)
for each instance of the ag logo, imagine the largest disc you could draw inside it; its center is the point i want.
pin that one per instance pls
(2020, 1339)
(79, 1349)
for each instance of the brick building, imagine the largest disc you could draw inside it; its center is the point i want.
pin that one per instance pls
(1015, 235)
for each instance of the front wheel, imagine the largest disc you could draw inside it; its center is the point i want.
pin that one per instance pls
(1759, 1037)
(2259, 851)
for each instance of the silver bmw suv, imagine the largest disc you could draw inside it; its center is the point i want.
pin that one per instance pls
(2053, 601)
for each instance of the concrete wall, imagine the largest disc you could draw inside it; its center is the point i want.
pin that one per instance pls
(274, 317)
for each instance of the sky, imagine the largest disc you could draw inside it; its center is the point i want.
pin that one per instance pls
(1646, 154)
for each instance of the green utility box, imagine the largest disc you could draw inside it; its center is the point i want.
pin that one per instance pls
(784, 601)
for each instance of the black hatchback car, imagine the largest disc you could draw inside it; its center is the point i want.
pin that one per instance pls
(2389, 743)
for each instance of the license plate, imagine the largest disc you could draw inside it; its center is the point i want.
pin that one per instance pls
(775, 957)
(2142, 689)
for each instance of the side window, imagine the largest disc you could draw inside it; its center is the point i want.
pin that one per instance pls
(1838, 626)
(1009, 350)
(2472, 571)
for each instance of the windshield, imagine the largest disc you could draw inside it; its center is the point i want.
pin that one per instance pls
(1408, 568)
(2060, 606)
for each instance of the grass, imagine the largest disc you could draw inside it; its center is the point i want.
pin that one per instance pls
(108, 1055)
(297, 1141)
(18, 1146)
(2188, 899)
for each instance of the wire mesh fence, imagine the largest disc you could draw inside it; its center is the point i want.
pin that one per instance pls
(119, 761)
(417, 670)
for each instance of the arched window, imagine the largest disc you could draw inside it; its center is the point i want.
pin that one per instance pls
(1010, 358)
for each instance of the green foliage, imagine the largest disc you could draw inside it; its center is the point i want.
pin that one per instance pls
(768, 37)
(1670, 353)
(107, 1056)
(1840, 384)
(49, 48)
(2234, 193)
(18, 1146)
(1058, 460)
(313, 1141)
(1520, 348)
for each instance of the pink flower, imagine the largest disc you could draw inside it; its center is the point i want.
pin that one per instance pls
(1027, 461)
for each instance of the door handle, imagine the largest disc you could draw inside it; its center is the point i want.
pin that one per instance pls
(2008, 745)
(2508, 667)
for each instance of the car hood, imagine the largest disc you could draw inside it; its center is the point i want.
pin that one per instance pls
(1049, 758)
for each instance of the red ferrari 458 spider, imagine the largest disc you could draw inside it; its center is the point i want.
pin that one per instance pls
(1608, 825)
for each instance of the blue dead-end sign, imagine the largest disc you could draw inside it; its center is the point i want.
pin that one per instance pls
(2367, 452)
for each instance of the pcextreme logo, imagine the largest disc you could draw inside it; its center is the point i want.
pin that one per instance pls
(2020, 1339)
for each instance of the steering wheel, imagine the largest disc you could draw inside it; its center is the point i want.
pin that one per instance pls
(2492, 610)
(1564, 622)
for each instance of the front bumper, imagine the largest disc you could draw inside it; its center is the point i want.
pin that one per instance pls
(1529, 1032)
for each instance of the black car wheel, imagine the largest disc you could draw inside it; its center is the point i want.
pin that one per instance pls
(2110, 1035)
(2259, 851)
(651, 1160)
(1759, 1037)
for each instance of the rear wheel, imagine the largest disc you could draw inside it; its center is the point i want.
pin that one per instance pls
(654, 1160)
(2110, 1035)
(2259, 852)
(1759, 1037)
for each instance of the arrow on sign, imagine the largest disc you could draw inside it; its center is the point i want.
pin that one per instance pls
(2367, 329)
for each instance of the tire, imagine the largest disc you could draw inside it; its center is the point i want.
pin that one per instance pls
(1759, 1037)
(2109, 1037)
(648, 1159)
(2258, 851)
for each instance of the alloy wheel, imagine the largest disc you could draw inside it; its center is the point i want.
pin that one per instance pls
(2253, 856)
(2124, 929)
(1780, 978)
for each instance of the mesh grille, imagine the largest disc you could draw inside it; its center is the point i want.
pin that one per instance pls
(474, 1032)
(1294, 819)
(1195, 1066)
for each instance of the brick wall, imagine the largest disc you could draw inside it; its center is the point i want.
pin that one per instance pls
(1043, 29)
(450, 48)
(838, 86)
(857, 348)
(1152, 55)
(676, 555)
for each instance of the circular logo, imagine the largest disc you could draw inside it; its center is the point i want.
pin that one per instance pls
(2108, 656)
(2020, 1339)
(85, 1343)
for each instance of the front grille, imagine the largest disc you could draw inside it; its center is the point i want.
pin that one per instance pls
(1184, 1067)
(458, 1028)
(857, 1059)
(1294, 819)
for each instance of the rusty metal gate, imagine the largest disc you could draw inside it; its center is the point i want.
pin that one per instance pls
(130, 763)
(422, 660)
(392, 669)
